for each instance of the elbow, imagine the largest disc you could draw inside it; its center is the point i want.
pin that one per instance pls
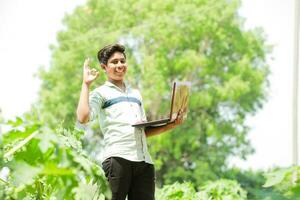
(82, 118)
(82, 121)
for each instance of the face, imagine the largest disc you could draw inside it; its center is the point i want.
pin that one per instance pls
(116, 67)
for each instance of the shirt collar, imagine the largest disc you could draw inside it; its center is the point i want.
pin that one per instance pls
(110, 84)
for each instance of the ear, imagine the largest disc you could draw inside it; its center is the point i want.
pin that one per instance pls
(103, 66)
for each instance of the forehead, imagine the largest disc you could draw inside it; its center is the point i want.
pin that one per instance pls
(117, 55)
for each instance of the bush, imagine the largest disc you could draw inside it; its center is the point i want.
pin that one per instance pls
(218, 190)
(48, 164)
(285, 180)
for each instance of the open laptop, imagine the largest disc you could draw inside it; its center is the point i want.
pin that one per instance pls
(179, 101)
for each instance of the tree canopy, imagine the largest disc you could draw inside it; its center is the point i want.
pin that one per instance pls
(202, 41)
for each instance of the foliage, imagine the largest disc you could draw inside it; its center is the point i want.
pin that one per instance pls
(202, 41)
(176, 191)
(48, 164)
(222, 190)
(252, 182)
(285, 180)
(218, 190)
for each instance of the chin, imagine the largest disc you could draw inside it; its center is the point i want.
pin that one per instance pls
(118, 78)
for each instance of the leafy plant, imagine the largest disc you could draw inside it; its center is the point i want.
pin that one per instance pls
(222, 190)
(217, 190)
(285, 180)
(252, 182)
(48, 164)
(176, 191)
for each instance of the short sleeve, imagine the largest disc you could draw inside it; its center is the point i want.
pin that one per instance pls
(95, 103)
(143, 114)
(144, 118)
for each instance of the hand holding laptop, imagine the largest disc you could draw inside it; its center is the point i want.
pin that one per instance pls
(178, 108)
(179, 119)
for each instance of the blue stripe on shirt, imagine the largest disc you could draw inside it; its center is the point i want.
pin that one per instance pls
(120, 99)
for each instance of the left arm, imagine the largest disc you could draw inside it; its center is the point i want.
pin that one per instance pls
(151, 131)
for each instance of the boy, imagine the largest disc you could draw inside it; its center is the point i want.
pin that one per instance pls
(127, 163)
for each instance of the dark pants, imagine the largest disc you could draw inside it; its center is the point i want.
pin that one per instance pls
(135, 179)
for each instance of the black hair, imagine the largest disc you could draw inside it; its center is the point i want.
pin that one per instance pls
(106, 52)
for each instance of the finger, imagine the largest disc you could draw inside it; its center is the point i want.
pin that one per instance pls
(95, 76)
(179, 114)
(93, 71)
(86, 63)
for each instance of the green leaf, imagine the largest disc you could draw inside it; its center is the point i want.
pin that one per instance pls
(223, 189)
(87, 192)
(24, 174)
(47, 141)
(20, 145)
(53, 170)
(84, 162)
(17, 122)
(176, 191)
(19, 132)
(275, 177)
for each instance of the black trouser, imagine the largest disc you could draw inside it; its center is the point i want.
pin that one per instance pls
(135, 179)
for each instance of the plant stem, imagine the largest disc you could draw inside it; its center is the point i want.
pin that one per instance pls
(20, 145)
(3, 181)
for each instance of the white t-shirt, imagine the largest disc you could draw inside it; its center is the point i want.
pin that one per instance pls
(116, 111)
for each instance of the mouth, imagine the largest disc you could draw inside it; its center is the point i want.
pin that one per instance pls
(119, 73)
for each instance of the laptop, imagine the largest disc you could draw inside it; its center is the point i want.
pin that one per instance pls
(179, 101)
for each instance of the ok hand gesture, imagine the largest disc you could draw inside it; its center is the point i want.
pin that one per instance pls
(89, 75)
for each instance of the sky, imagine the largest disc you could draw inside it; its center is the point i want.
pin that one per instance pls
(27, 28)
(271, 133)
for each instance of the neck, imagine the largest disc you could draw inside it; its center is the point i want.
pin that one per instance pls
(119, 83)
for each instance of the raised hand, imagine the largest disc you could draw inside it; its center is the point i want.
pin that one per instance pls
(89, 75)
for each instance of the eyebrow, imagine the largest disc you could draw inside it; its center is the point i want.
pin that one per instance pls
(116, 59)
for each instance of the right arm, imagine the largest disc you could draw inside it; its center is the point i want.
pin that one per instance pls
(83, 109)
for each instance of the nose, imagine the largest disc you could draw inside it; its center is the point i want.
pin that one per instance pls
(120, 66)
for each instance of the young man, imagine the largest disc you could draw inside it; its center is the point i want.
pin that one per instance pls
(127, 163)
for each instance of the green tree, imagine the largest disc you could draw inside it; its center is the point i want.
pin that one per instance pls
(202, 41)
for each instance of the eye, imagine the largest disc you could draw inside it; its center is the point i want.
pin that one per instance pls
(123, 61)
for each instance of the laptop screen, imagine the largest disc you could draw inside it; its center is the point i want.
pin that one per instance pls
(180, 99)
